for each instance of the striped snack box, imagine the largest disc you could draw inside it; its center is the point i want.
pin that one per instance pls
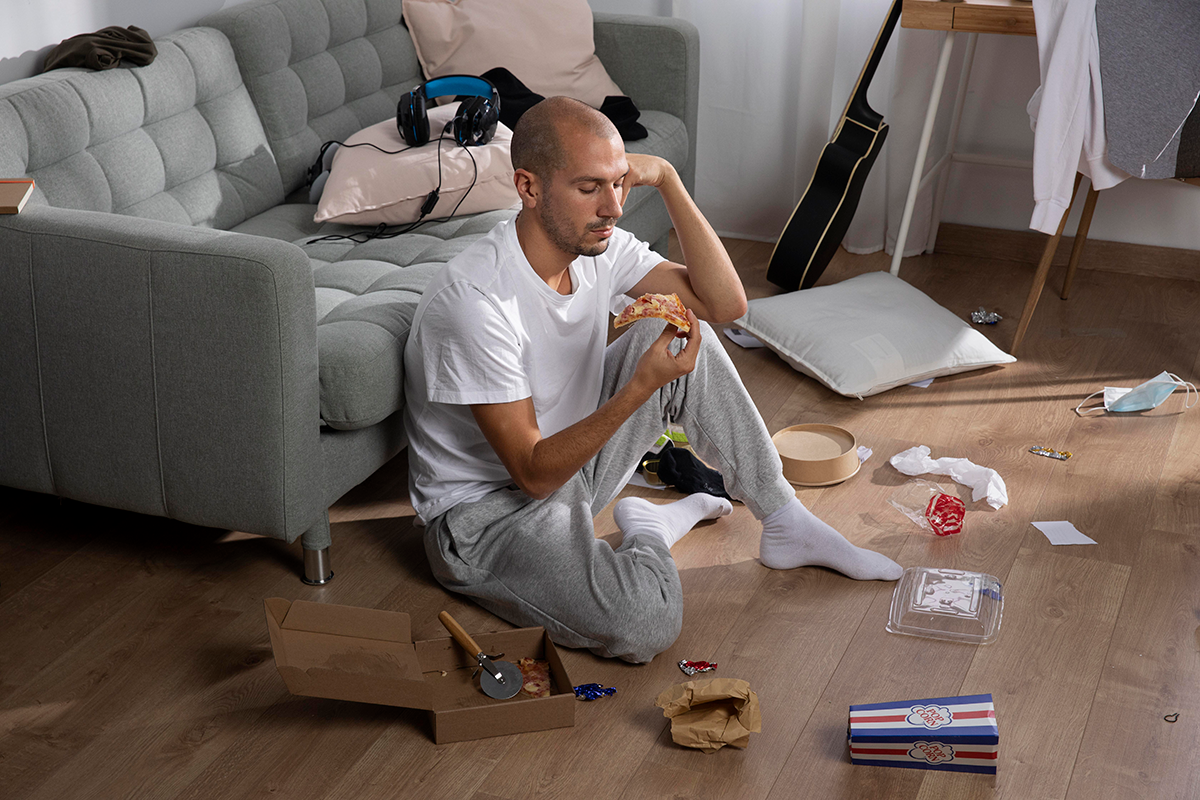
(956, 734)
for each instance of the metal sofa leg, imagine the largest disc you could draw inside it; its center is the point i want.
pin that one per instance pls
(315, 541)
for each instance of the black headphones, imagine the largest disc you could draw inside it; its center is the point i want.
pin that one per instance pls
(474, 122)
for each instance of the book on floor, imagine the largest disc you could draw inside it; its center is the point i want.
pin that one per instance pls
(14, 194)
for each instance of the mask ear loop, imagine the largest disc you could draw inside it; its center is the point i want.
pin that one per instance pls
(1090, 410)
(1188, 388)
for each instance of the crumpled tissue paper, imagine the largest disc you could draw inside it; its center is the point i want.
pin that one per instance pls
(984, 481)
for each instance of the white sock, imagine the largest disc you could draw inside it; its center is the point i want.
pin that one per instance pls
(792, 537)
(670, 521)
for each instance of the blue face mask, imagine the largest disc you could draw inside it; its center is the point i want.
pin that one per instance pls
(1142, 397)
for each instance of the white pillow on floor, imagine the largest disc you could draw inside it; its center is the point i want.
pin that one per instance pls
(868, 334)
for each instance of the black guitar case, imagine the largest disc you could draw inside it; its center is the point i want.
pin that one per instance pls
(821, 218)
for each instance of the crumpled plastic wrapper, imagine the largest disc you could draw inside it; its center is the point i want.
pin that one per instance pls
(984, 481)
(930, 506)
(709, 714)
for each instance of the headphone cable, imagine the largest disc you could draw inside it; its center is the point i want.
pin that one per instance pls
(380, 231)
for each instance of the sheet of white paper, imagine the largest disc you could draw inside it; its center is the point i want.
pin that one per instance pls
(922, 384)
(1063, 532)
(864, 453)
(639, 480)
(743, 339)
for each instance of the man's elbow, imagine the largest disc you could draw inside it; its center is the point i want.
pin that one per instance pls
(729, 311)
(536, 492)
(536, 488)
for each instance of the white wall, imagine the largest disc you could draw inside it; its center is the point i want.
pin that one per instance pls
(994, 122)
(1152, 212)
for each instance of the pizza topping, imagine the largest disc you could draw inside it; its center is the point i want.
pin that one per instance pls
(661, 306)
(536, 675)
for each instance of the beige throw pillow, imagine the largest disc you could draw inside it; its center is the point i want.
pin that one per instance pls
(367, 187)
(546, 44)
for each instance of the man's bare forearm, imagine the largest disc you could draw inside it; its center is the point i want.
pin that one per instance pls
(556, 458)
(710, 271)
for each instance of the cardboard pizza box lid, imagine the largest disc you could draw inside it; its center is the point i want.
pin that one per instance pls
(347, 653)
(368, 656)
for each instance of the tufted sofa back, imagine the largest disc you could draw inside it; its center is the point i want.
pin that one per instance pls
(319, 70)
(177, 140)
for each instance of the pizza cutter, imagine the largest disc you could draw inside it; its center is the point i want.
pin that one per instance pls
(498, 679)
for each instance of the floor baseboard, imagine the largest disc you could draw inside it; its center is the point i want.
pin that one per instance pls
(1098, 254)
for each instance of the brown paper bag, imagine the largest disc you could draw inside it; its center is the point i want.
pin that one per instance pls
(709, 714)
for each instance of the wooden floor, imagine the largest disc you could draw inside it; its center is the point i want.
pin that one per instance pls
(135, 663)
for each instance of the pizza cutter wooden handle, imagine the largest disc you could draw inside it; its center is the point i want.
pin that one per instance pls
(459, 633)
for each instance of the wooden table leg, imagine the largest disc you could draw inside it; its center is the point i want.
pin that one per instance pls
(1043, 268)
(1085, 222)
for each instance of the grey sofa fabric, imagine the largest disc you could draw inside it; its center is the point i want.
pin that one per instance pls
(656, 62)
(171, 340)
(159, 368)
(178, 140)
(319, 70)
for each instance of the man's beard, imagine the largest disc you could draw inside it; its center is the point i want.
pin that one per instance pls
(562, 236)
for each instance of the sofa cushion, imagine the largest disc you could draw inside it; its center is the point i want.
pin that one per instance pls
(319, 70)
(546, 44)
(389, 185)
(366, 296)
(177, 140)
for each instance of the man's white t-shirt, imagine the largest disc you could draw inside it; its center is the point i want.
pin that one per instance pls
(489, 330)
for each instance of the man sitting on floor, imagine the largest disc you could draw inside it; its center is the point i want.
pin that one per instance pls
(524, 425)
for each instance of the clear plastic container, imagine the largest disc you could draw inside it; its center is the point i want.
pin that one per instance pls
(947, 604)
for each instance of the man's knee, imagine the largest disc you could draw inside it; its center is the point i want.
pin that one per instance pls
(641, 635)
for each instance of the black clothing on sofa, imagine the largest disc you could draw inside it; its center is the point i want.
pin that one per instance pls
(103, 49)
(516, 98)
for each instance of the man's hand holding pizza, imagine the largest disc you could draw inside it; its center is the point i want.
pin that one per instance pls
(658, 366)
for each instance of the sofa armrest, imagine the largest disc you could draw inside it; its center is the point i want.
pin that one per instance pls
(656, 62)
(160, 368)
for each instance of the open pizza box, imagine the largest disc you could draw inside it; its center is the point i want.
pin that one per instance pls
(369, 656)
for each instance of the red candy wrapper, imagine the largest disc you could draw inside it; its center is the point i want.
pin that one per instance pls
(945, 514)
(930, 506)
(692, 667)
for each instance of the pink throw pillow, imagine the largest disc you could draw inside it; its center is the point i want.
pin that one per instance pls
(547, 44)
(367, 187)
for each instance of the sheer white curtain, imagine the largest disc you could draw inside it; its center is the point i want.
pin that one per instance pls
(775, 76)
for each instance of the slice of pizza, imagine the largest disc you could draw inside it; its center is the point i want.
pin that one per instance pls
(536, 677)
(662, 306)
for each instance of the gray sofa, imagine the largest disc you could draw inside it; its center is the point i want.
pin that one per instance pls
(170, 343)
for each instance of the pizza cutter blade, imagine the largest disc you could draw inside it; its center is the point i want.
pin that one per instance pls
(498, 679)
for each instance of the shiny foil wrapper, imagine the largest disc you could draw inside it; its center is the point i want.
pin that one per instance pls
(593, 691)
(692, 667)
(1049, 452)
(985, 317)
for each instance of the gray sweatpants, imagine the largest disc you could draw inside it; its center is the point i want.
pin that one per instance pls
(538, 562)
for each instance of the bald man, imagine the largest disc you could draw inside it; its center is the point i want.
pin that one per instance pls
(524, 425)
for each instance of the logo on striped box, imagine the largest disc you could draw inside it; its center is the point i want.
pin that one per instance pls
(897, 734)
(931, 717)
